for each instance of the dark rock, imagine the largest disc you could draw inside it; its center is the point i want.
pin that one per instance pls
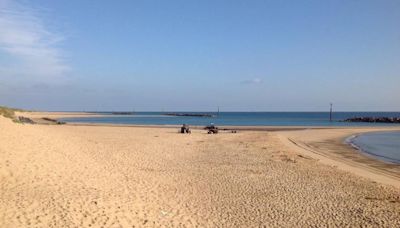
(53, 120)
(23, 119)
(374, 119)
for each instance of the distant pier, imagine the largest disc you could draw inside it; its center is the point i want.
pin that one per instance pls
(122, 113)
(189, 114)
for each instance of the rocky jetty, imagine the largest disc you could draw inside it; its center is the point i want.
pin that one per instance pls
(189, 114)
(374, 119)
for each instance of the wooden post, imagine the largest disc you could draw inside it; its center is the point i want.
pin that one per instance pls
(330, 114)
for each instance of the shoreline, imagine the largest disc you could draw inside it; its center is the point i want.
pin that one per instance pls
(61, 115)
(334, 151)
(351, 141)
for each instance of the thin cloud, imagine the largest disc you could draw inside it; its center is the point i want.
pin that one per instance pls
(252, 81)
(31, 47)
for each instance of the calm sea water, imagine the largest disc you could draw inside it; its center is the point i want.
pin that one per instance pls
(381, 145)
(238, 119)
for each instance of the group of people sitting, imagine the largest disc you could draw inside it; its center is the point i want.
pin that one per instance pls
(185, 129)
(212, 129)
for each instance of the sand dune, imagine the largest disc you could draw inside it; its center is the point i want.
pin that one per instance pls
(99, 176)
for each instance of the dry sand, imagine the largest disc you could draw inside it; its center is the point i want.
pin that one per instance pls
(100, 176)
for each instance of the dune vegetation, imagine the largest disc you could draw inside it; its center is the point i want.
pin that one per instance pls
(8, 112)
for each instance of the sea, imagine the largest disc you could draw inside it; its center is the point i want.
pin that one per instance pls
(383, 145)
(236, 118)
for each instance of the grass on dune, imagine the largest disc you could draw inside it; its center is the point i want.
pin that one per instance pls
(8, 112)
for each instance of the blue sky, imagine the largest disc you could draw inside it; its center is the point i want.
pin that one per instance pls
(197, 55)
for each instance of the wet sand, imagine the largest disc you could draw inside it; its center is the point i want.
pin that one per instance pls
(103, 176)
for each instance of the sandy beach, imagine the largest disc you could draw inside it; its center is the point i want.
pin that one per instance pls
(110, 176)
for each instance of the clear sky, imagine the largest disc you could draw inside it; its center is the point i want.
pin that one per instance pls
(197, 55)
